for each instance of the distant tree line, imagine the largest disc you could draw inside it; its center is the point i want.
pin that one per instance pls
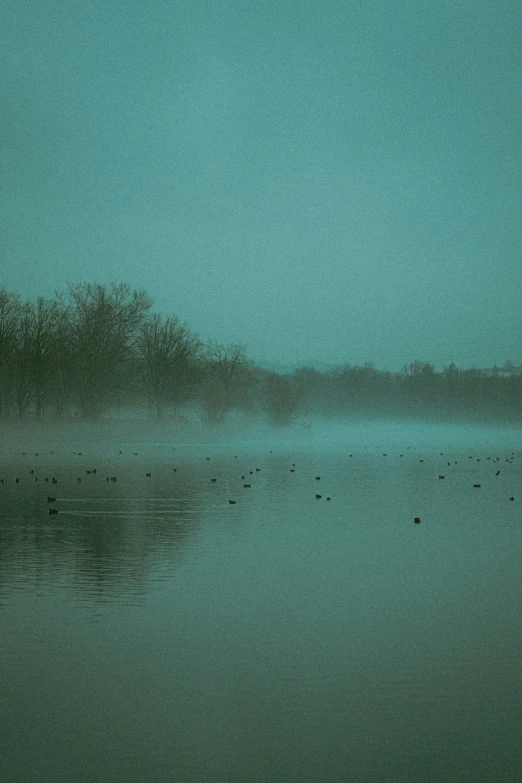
(417, 392)
(93, 349)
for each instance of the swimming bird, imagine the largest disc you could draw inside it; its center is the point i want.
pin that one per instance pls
(417, 520)
(232, 502)
(50, 499)
(318, 497)
(53, 510)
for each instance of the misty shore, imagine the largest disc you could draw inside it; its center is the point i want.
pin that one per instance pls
(186, 435)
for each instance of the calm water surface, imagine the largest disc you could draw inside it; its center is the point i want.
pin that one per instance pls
(152, 631)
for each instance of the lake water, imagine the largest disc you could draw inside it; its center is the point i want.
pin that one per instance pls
(153, 631)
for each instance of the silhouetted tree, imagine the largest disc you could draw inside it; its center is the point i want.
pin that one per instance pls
(10, 310)
(227, 380)
(36, 354)
(103, 325)
(280, 399)
(169, 354)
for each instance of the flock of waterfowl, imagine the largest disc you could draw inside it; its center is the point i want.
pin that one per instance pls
(246, 484)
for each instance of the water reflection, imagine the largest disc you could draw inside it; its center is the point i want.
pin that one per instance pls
(106, 538)
(152, 631)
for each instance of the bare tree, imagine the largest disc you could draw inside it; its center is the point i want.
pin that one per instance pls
(281, 399)
(168, 353)
(228, 379)
(103, 325)
(36, 354)
(10, 310)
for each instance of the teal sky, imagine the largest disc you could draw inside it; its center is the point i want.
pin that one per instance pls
(332, 180)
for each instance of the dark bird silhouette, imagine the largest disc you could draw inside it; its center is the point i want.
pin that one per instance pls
(477, 486)
(318, 478)
(53, 510)
(318, 497)
(246, 486)
(417, 520)
(148, 475)
(214, 480)
(232, 502)
(50, 499)
(441, 477)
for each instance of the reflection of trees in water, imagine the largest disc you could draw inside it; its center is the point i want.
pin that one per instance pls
(106, 546)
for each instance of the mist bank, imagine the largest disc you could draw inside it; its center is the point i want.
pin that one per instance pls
(99, 353)
(134, 437)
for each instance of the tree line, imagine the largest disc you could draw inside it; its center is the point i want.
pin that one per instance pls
(94, 348)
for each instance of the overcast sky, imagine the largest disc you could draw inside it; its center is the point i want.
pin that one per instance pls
(336, 180)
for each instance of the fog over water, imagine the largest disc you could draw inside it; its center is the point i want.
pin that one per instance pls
(260, 392)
